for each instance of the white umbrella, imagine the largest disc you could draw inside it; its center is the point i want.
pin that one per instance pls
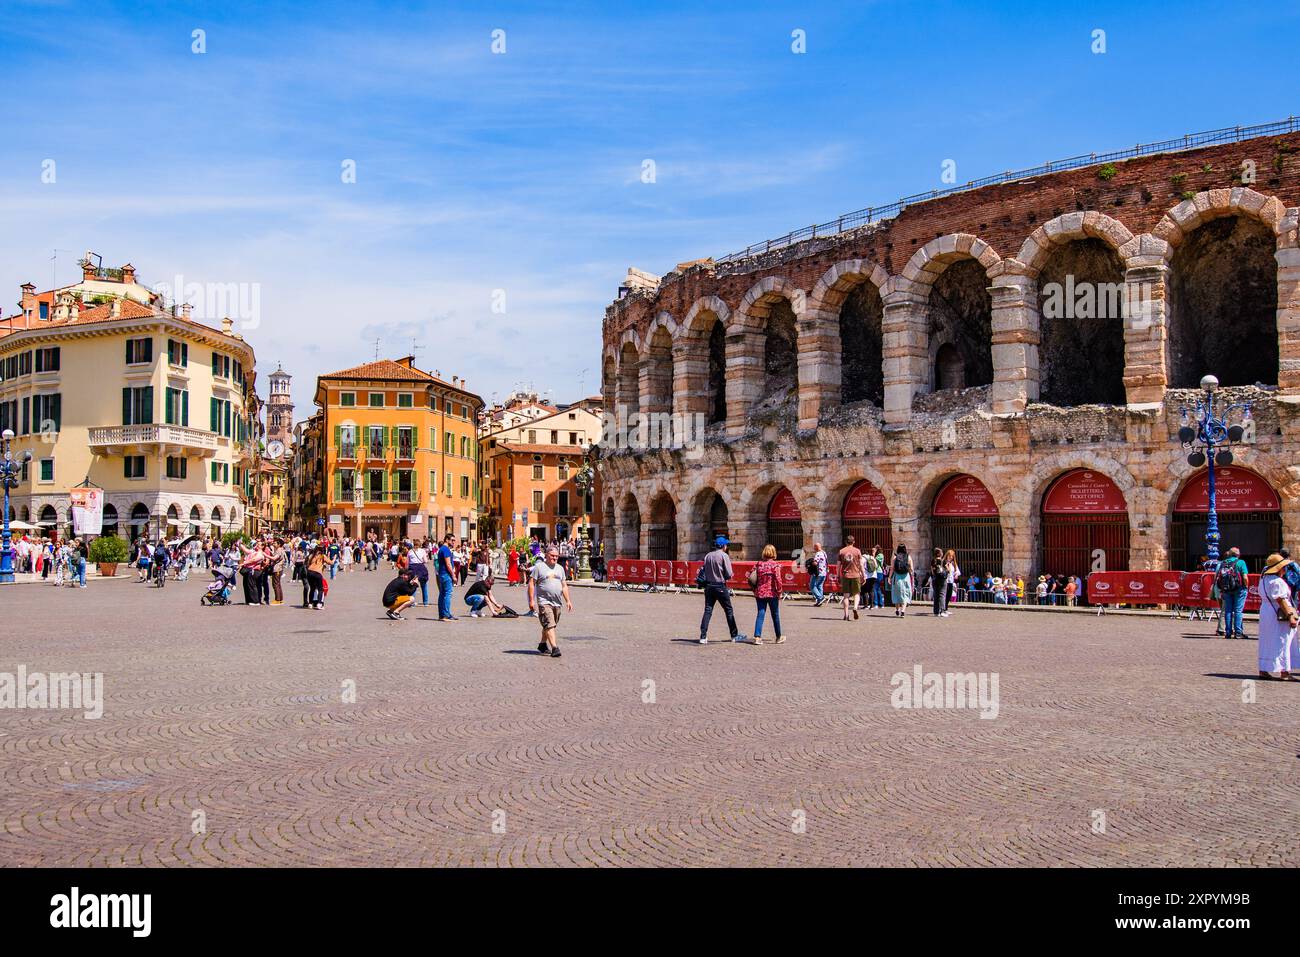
(22, 526)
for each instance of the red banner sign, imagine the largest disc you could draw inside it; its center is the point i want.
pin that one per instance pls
(964, 495)
(1083, 492)
(1235, 490)
(784, 507)
(865, 501)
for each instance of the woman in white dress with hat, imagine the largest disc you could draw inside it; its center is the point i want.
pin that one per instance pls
(1277, 621)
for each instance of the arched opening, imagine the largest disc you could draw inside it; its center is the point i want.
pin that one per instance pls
(609, 381)
(865, 516)
(659, 356)
(196, 518)
(173, 521)
(1223, 305)
(1081, 325)
(862, 373)
(629, 526)
(49, 521)
(784, 524)
(216, 520)
(27, 514)
(709, 519)
(717, 410)
(110, 519)
(662, 533)
(1249, 512)
(629, 380)
(1085, 525)
(780, 355)
(139, 520)
(608, 523)
(961, 316)
(964, 517)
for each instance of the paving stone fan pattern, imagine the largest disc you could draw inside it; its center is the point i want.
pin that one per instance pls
(464, 747)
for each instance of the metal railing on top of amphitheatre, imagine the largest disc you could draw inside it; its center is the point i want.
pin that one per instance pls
(875, 214)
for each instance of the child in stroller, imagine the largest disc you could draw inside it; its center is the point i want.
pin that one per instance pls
(218, 593)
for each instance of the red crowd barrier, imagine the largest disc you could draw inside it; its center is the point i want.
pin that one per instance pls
(1198, 590)
(1135, 588)
(682, 573)
(618, 570)
(663, 572)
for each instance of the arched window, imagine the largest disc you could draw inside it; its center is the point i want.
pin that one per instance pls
(961, 316)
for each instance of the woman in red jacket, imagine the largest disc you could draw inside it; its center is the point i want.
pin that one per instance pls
(767, 592)
(512, 574)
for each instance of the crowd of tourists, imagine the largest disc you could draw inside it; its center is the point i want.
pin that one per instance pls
(61, 562)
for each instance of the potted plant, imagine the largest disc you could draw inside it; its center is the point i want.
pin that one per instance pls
(107, 552)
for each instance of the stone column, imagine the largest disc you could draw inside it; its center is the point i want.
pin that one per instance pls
(751, 534)
(1288, 320)
(1018, 547)
(822, 523)
(656, 381)
(819, 365)
(744, 377)
(691, 376)
(905, 329)
(1146, 373)
(1016, 338)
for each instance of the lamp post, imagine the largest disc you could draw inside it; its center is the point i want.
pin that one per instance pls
(10, 470)
(1206, 433)
(584, 481)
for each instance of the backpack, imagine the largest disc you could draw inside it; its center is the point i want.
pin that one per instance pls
(811, 566)
(900, 565)
(1228, 577)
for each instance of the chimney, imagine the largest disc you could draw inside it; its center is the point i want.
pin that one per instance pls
(128, 273)
(87, 268)
(185, 310)
(116, 308)
(63, 304)
(226, 325)
(29, 306)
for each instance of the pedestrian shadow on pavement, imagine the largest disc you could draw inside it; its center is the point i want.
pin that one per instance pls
(1254, 676)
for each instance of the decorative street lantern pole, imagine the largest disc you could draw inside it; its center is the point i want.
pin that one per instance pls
(1204, 430)
(10, 472)
(584, 481)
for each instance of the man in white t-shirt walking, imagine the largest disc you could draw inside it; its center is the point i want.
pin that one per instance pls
(547, 588)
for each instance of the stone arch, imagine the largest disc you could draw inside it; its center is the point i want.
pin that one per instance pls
(661, 530)
(837, 481)
(844, 327)
(948, 279)
(753, 507)
(629, 378)
(659, 363)
(1225, 288)
(1079, 307)
(1067, 228)
(1269, 468)
(709, 515)
(700, 353)
(629, 526)
(764, 343)
(1026, 500)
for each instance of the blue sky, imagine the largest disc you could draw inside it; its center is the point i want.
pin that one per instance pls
(521, 171)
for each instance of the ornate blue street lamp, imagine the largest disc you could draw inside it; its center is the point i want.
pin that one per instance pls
(10, 471)
(1206, 433)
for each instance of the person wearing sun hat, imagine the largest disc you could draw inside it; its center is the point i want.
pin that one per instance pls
(1277, 621)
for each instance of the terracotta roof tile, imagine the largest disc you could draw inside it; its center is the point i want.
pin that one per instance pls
(382, 369)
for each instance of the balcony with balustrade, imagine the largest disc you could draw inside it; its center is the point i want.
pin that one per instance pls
(152, 438)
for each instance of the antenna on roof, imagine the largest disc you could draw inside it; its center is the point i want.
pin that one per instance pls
(376, 350)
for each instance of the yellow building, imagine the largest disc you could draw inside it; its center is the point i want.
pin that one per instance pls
(400, 451)
(130, 397)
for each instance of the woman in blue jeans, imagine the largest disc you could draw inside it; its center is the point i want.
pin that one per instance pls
(767, 592)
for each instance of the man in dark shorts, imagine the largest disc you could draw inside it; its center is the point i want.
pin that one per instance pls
(850, 576)
(547, 588)
(398, 594)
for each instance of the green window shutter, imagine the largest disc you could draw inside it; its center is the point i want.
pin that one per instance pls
(148, 405)
(167, 406)
(214, 424)
(185, 408)
(338, 486)
(415, 483)
(126, 405)
(338, 438)
(226, 427)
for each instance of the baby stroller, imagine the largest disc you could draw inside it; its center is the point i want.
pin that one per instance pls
(218, 593)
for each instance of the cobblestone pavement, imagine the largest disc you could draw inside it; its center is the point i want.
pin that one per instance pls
(774, 755)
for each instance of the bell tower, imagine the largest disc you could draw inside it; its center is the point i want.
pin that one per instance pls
(279, 410)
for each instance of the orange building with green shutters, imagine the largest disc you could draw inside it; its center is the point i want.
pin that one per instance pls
(401, 452)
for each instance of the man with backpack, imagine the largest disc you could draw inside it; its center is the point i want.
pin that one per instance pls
(1230, 579)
